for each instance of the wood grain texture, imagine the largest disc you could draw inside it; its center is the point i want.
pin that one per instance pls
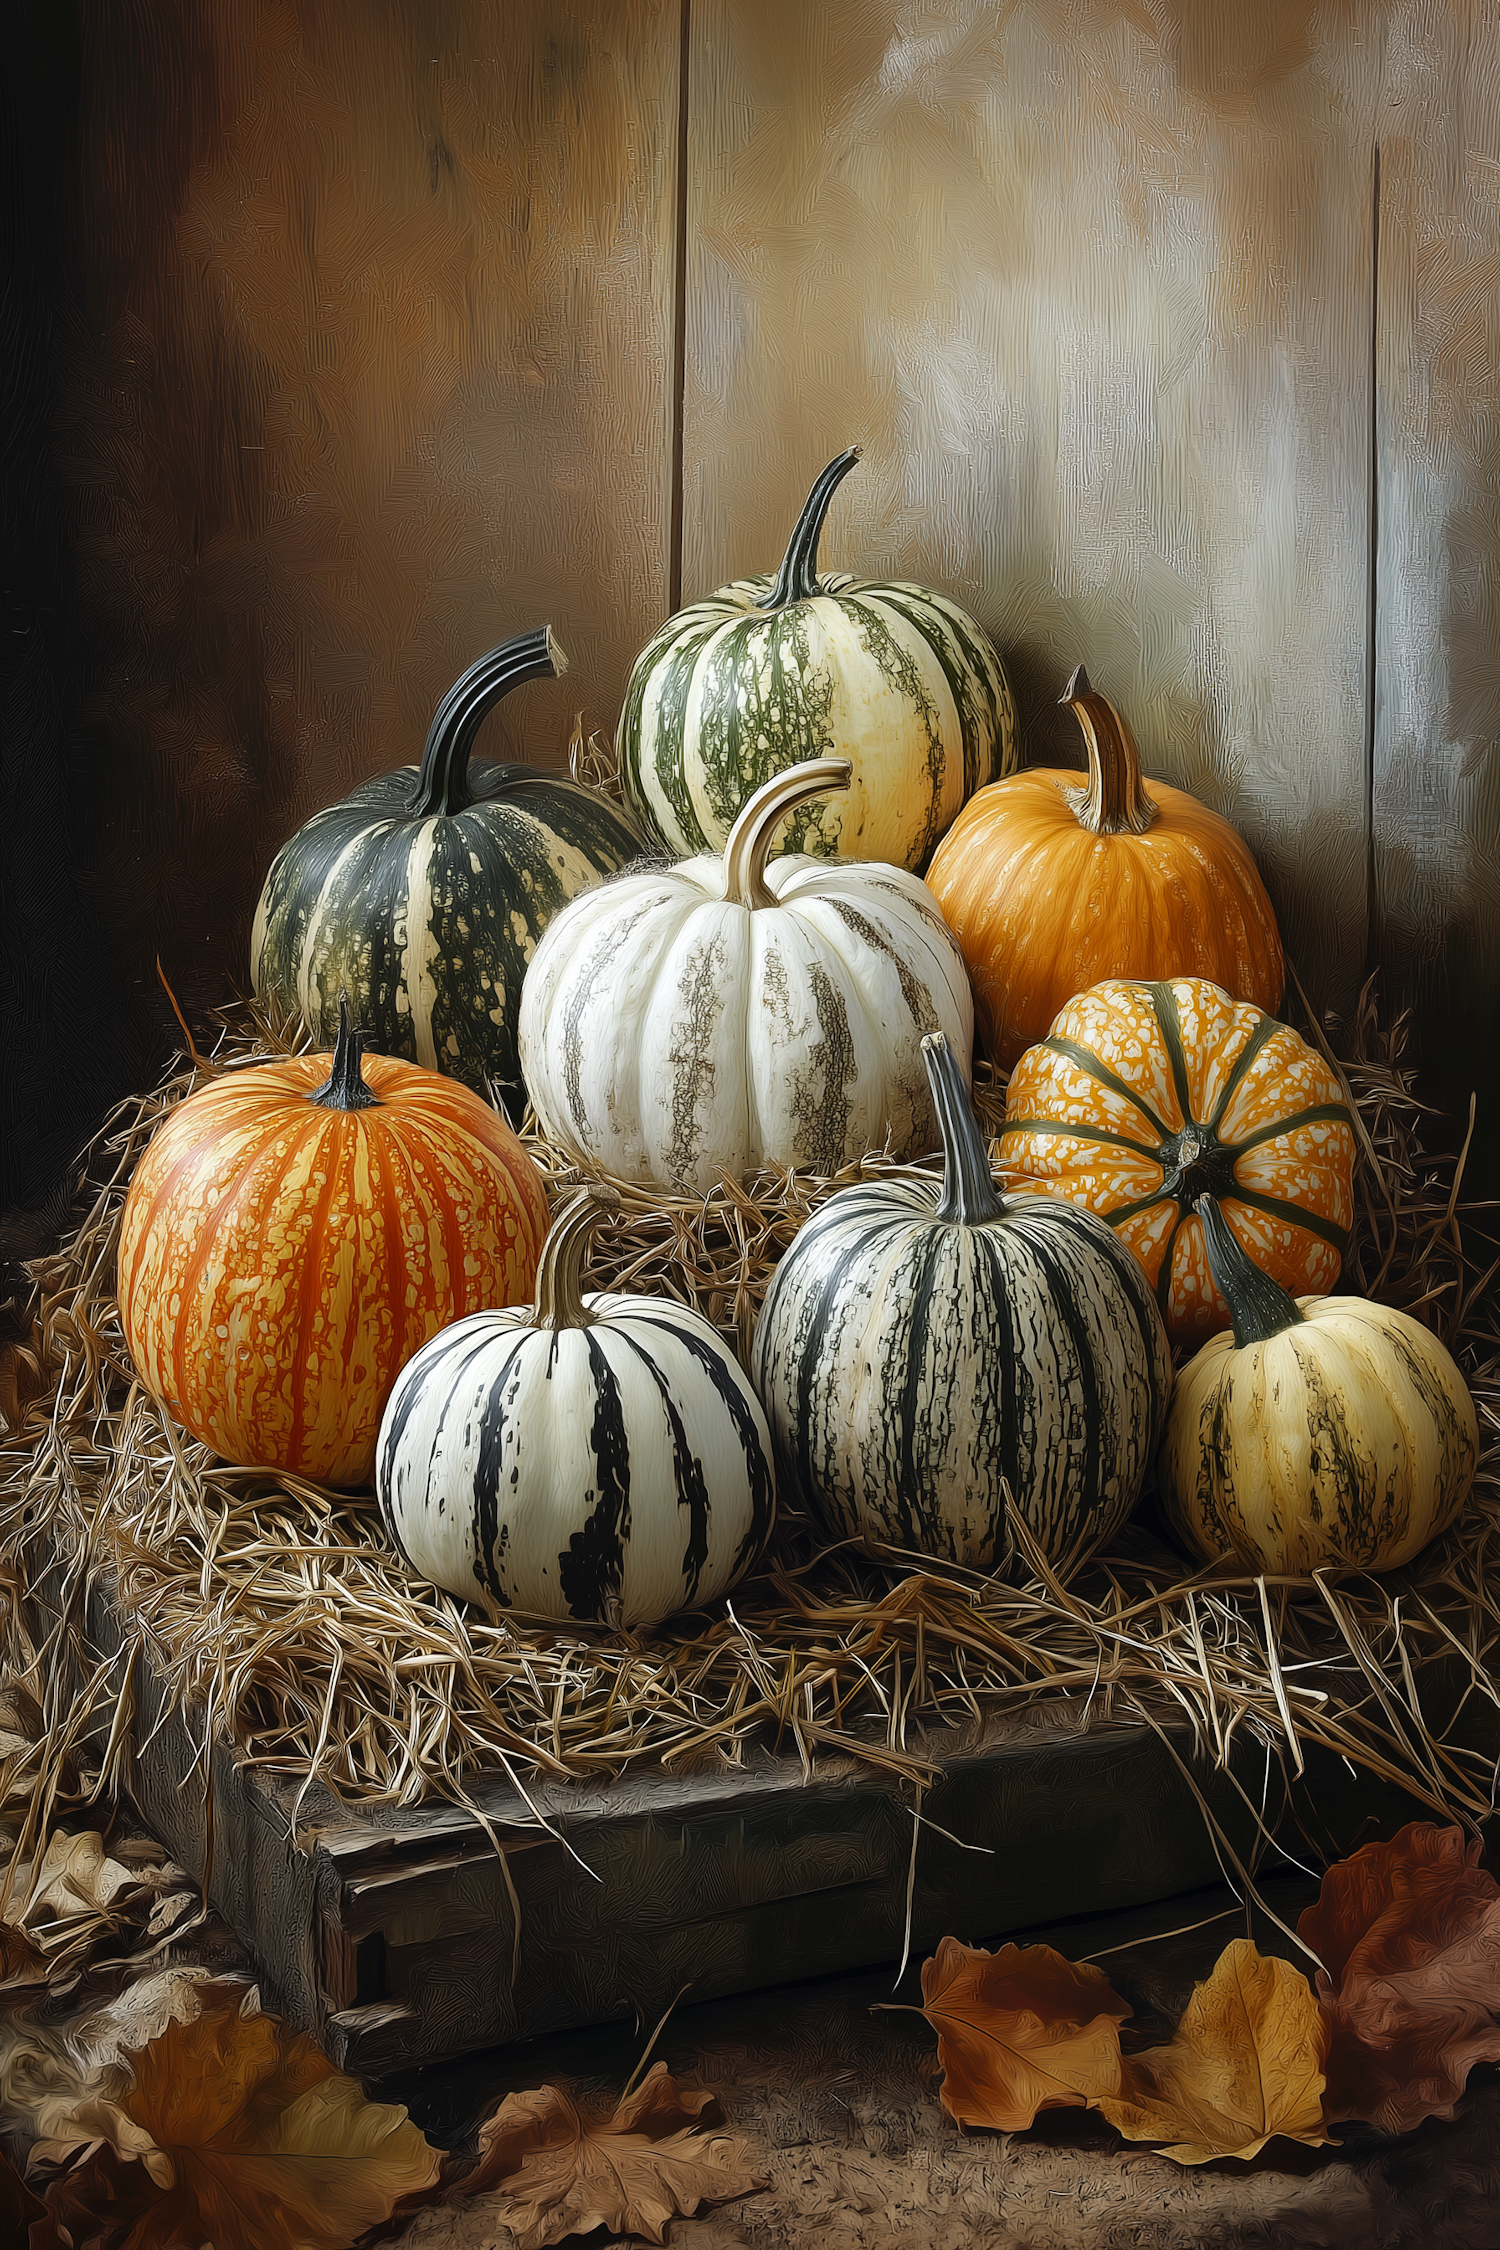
(369, 372)
(1436, 781)
(1091, 285)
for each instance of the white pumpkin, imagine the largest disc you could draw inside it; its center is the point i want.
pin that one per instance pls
(722, 1014)
(598, 1457)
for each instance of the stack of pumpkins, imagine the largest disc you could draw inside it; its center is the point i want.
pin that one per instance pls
(342, 1267)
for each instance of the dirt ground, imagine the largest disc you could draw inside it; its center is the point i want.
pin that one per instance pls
(839, 2109)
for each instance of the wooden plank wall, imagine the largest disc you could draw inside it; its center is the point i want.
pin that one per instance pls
(1168, 328)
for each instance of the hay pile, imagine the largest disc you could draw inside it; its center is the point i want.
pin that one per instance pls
(275, 1611)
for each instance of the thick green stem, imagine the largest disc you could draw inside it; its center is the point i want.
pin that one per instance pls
(442, 785)
(798, 577)
(1115, 802)
(970, 1197)
(749, 844)
(344, 1087)
(558, 1298)
(1258, 1306)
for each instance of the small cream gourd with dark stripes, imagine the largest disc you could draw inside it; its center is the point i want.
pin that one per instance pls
(594, 1456)
(725, 1014)
(423, 893)
(926, 1345)
(1321, 1431)
(771, 671)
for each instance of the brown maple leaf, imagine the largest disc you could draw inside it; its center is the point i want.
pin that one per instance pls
(1019, 2031)
(554, 2171)
(254, 2139)
(1245, 2062)
(1409, 1935)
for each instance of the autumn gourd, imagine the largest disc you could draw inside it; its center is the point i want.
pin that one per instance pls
(297, 1229)
(593, 1456)
(1144, 1097)
(1322, 1431)
(423, 893)
(927, 1345)
(1052, 884)
(769, 672)
(725, 1014)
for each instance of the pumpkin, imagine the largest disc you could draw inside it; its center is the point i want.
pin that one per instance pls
(598, 1456)
(926, 1347)
(725, 1014)
(1051, 885)
(422, 894)
(769, 672)
(1322, 1430)
(295, 1230)
(1144, 1097)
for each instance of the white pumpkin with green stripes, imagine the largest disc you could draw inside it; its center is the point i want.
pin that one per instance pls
(595, 1456)
(927, 1347)
(423, 893)
(769, 672)
(722, 1015)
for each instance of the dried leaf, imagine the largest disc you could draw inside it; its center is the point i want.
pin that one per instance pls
(20, 2210)
(556, 2172)
(23, 1964)
(1409, 1934)
(1246, 2062)
(1019, 2031)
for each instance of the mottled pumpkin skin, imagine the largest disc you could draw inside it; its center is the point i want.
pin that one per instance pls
(1349, 1438)
(1144, 1096)
(1043, 908)
(280, 1262)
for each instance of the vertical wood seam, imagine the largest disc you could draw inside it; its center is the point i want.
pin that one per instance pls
(1372, 620)
(679, 316)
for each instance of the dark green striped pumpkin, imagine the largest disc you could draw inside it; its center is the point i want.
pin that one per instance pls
(927, 1346)
(772, 671)
(423, 893)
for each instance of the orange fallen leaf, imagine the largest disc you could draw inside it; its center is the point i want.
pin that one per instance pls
(1409, 1933)
(1245, 2062)
(556, 2172)
(1019, 2031)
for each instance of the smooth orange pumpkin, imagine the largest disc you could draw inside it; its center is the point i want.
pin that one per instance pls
(1052, 884)
(1144, 1097)
(297, 1230)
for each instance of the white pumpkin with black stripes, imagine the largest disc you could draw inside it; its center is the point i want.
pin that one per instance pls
(722, 1014)
(927, 1346)
(771, 671)
(1322, 1432)
(599, 1457)
(423, 893)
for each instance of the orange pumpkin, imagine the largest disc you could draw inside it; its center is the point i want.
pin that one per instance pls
(1051, 884)
(288, 1244)
(1144, 1097)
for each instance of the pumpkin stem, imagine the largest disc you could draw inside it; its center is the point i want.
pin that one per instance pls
(442, 785)
(558, 1300)
(1258, 1305)
(1115, 801)
(797, 579)
(344, 1087)
(749, 844)
(970, 1197)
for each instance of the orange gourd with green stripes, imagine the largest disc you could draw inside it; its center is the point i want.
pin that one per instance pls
(297, 1230)
(1144, 1097)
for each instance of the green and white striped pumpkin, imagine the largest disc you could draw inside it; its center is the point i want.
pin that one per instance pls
(721, 1014)
(598, 1456)
(926, 1346)
(423, 893)
(772, 671)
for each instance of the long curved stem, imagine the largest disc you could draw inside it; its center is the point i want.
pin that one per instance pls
(442, 785)
(1258, 1306)
(749, 843)
(557, 1301)
(797, 578)
(970, 1197)
(1115, 801)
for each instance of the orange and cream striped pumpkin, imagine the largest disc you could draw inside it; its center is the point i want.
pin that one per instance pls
(287, 1245)
(1144, 1097)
